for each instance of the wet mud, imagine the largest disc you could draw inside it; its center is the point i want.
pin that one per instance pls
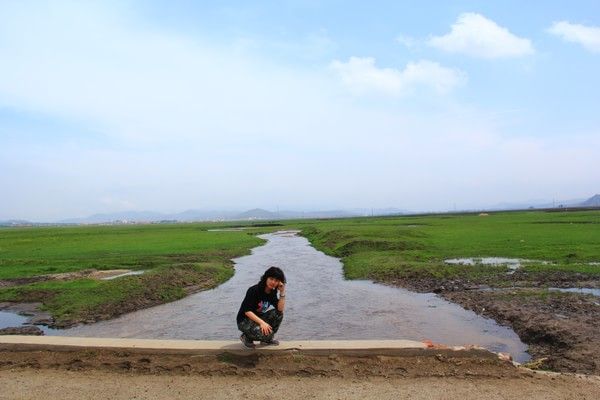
(561, 329)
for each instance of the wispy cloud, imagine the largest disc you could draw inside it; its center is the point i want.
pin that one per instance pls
(361, 75)
(90, 64)
(183, 120)
(587, 36)
(407, 41)
(477, 36)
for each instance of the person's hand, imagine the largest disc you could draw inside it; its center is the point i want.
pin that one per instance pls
(281, 288)
(265, 328)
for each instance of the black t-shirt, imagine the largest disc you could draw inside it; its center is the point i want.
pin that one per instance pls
(257, 301)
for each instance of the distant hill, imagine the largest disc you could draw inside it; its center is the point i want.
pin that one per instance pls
(535, 204)
(317, 214)
(151, 216)
(197, 215)
(257, 213)
(15, 222)
(593, 201)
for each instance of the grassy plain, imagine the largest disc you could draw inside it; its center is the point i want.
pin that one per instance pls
(177, 259)
(416, 247)
(182, 258)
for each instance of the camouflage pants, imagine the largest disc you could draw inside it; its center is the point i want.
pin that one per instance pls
(252, 330)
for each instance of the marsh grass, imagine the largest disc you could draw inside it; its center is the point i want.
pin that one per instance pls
(180, 258)
(176, 259)
(411, 247)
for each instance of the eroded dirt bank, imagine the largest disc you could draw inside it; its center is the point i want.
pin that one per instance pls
(36, 384)
(562, 330)
(247, 363)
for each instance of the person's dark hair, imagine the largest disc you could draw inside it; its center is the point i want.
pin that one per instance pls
(272, 272)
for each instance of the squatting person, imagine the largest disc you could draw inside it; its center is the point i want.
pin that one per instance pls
(261, 311)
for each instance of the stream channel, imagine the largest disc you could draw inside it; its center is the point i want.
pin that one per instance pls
(321, 304)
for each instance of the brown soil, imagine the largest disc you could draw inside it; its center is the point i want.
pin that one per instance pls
(360, 364)
(22, 330)
(64, 276)
(561, 329)
(431, 284)
(327, 379)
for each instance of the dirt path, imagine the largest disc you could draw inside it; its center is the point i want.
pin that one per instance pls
(36, 384)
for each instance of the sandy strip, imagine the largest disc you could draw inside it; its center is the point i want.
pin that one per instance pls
(65, 385)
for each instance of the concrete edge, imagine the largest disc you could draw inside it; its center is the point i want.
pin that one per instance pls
(204, 345)
(212, 347)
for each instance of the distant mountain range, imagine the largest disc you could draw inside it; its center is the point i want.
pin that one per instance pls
(261, 214)
(197, 215)
(593, 201)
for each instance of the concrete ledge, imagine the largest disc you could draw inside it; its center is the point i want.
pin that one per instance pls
(14, 342)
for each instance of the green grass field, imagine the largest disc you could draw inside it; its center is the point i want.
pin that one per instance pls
(180, 256)
(380, 248)
(174, 257)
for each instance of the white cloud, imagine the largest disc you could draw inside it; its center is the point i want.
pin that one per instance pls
(407, 41)
(361, 75)
(477, 36)
(587, 36)
(193, 124)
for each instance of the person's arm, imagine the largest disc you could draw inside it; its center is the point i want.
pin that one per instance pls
(264, 327)
(281, 302)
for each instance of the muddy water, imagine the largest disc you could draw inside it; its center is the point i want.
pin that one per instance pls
(10, 319)
(320, 305)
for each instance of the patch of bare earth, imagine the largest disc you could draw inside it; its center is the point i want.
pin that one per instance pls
(64, 276)
(306, 382)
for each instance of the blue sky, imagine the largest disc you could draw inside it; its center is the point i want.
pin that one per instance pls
(166, 106)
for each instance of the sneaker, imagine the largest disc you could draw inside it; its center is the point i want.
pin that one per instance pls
(272, 342)
(247, 342)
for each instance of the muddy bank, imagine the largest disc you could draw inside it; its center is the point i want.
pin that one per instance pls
(36, 384)
(423, 283)
(22, 330)
(562, 330)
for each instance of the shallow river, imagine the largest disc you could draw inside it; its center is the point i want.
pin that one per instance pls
(320, 305)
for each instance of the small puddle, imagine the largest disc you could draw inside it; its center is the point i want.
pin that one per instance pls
(227, 229)
(511, 263)
(120, 275)
(321, 305)
(8, 319)
(592, 291)
(13, 320)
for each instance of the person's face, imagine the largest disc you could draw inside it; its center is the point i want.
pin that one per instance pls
(273, 283)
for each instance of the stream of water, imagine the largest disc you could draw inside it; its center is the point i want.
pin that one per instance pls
(320, 305)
